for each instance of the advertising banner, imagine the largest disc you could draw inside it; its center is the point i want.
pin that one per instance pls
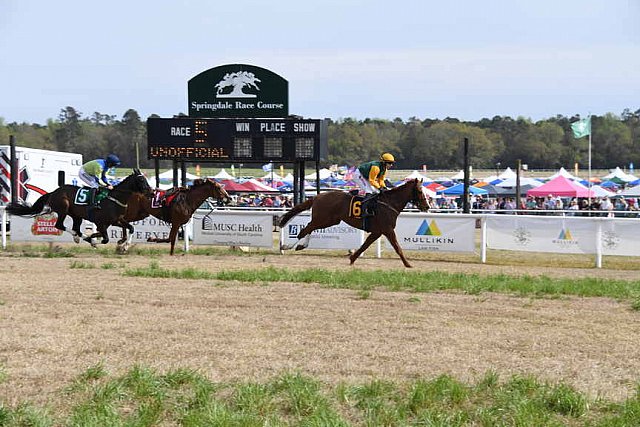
(233, 230)
(442, 233)
(620, 237)
(41, 228)
(542, 234)
(150, 227)
(341, 236)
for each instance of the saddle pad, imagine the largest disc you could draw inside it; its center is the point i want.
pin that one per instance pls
(83, 195)
(355, 209)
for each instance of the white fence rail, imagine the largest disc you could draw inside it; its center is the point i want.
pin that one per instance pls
(416, 231)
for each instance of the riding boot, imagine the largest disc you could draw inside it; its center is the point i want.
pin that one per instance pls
(92, 199)
(368, 205)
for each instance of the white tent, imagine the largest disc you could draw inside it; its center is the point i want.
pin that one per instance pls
(631, 191)
(273, 176)
(460, 175)
(416, 174)
(599, 191)
(562, 172)
(288, 179)
(324, 174)
(489, 178)
(223, 174)
(620, 174)
(512, 182)
(508, 173)
(168, 174)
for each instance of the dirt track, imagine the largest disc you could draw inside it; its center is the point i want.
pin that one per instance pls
(55, 322)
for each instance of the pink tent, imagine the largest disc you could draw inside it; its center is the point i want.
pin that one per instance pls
(248, 186)
(561, 186)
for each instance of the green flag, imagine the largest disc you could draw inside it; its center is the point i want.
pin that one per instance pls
(581, 127)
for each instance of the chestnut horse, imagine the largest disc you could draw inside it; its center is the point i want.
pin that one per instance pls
(330, 208)
(184, 203)
(63, 201)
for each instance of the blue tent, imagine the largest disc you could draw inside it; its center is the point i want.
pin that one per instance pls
(458, 190)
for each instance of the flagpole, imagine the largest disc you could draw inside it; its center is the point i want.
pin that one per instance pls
(589, 185)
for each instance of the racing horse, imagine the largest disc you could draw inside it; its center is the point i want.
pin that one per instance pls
(72, 201)
(177, 209)
(330, 208)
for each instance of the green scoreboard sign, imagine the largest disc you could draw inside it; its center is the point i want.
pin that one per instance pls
(244, 140)
(238, 90)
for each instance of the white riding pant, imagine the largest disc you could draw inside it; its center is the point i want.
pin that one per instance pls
(364, 183)
(90, 180)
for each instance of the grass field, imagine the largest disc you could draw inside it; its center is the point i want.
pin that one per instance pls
(229, 338)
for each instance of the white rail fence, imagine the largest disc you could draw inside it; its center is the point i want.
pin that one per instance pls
(416, 231)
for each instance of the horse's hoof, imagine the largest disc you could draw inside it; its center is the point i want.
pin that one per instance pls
(122, 249)
(76, 239)
(300, 247)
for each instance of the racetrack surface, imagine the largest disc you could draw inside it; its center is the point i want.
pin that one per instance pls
(57, 321)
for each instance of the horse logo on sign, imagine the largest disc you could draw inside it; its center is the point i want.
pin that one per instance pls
(238, 81)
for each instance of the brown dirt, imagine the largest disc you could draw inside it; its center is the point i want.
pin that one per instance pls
(55, 322)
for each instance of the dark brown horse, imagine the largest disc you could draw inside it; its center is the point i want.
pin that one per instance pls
(183, 203)
(330, 208)
(70, 200)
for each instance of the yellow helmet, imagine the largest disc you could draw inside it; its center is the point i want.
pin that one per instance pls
(387, 157)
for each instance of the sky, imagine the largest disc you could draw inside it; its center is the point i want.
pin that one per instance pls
(466, 59)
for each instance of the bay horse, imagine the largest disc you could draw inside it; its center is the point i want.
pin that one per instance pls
(71, 200)
(184, 202)
(330, 208)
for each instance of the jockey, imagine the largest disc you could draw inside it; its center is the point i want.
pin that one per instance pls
(93, 174)
(370, 177)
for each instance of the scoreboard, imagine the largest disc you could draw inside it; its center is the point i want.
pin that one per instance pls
(231, 139)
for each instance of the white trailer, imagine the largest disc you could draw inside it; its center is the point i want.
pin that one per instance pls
(37, 172)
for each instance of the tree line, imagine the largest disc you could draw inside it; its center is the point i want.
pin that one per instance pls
(434, 143)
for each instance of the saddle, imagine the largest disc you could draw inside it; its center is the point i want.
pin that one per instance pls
(163, 199)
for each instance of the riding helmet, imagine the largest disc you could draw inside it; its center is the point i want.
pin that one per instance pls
(387, 158)
(112, 160)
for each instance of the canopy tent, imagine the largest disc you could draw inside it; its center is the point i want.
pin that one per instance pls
(619, 176)
(600, 191)
(511, 191)
(458, 189)
(416, 174)
(490, 178)
(562, 187)
(324, 174)
(168, 175)
(512, 182)
(491, 189)
(246, 186)
(272, 177)
(562, 172)
(631, 192)
(288, 179)
(223, 174)
(508, 173)
(460, 175)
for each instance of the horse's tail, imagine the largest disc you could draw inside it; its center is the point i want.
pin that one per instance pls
(295, 211)
(21, 209)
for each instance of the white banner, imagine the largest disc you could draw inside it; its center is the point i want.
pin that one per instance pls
(341, 236)
(442, 233)
(620, 237)
(150, 227)
(230, 229)
(542, 234)
(40, 228)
